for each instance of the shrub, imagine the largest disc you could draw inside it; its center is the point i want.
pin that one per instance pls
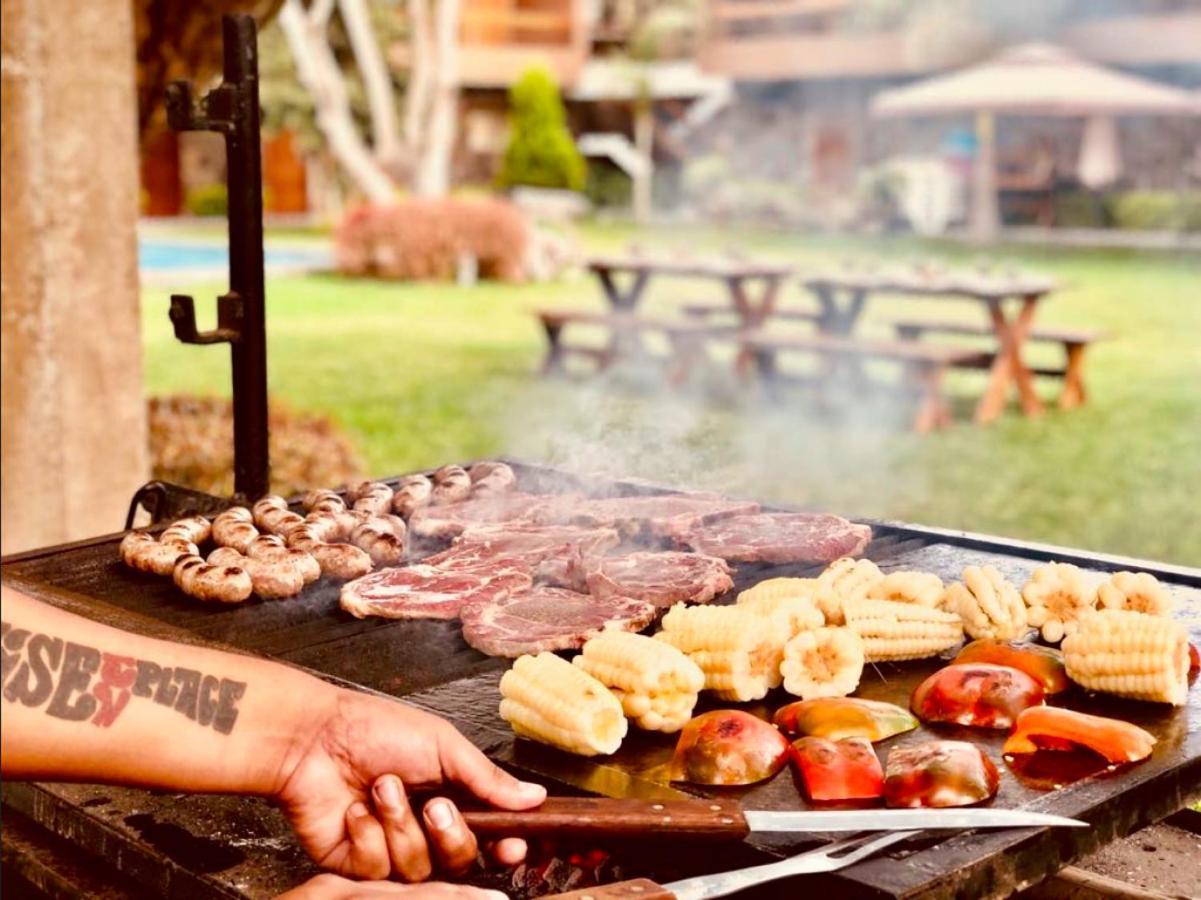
(541, 151)
(207, 200)
(1078, 209)
(191, 443)
(420, 239)
(607, 185)
(1156, 211)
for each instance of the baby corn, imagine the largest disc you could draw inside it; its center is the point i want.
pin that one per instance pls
(844, 580)
(789, 613)
(738, 651)
(824, 662)
(1056, 596)
(989, 606)
(547, 699)
(894, 631)
(777, 588)
(656, 684)
(922, 588)
(1138, 592)
(1129, 654)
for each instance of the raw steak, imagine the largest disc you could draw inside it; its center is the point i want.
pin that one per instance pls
(663, 516)
(534, 543)
(779, 538)
(546, 618)
(450, 520)
(659, 578)
(422, 591)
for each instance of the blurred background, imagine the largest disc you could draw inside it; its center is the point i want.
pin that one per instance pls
(436, 172)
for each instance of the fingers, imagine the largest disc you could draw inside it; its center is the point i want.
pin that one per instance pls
(368, 848)
(453, 844)
(406, 845)
(334, 887)
(509, 851)
(464, 763)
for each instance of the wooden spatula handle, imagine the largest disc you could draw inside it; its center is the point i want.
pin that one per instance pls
(636, 889)
(588, 817)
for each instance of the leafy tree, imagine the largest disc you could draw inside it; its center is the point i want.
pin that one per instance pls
(541, 151)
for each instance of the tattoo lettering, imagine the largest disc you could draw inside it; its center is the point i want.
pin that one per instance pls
(86, 684)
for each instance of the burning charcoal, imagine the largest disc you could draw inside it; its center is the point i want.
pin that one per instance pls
(939, 774)
(838, 718)
(839, 771)
(1043, 664)
(978, 695)
(728, 746)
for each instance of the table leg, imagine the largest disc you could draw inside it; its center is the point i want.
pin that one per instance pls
(553, 364)
(933, 410)
(1073, 393)
(752, 312)
(623, 300)
(1008, 365)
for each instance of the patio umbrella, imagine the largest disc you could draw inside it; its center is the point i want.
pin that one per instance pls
(1033, 80)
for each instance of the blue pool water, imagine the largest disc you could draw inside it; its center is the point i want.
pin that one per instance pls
(156, 255)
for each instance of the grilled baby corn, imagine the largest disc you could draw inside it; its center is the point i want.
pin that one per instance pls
(894, 631)
(1056, 595)
(777, 588)
(989, 606)
(922, 588)
(824, 662)
(1129, 654)
(1138, 592)
(656, 683)
(738, 651)
(546, 698)
(844, 580)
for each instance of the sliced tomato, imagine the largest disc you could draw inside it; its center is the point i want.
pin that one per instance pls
(1043, 664)
(839, 771)
(939, 773)
(978, 695)
(838, 718)
(1053, 728)
(728, 746)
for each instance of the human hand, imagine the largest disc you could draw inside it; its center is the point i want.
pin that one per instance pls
(335, 887)
(344, 787)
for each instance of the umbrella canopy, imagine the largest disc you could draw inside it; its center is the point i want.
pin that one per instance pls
(1035, 79)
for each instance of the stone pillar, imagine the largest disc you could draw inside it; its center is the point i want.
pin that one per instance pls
(73, 445)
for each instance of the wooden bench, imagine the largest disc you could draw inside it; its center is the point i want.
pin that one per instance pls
(687, 339)
(703, 310)
(923, 364)
(1075, 341)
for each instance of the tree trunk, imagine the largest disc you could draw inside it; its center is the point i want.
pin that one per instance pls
(319, 73)
(421, 66)
(377, 82)
(432, 178)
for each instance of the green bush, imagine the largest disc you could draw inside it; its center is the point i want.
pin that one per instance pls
(1156, 211)
(541, 152)
(209, 200)
(608, 186)
(1078, 209)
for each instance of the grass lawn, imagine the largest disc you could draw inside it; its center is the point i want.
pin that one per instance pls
(424, 374)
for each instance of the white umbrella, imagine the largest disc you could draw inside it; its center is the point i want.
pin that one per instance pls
(1035, 79)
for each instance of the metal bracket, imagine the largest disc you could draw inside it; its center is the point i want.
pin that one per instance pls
(217, 111)
(229, 320)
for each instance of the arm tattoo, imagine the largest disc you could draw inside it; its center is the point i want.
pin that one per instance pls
(80, 683)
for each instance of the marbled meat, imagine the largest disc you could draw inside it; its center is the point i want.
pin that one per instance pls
(663, 579)
(424, 591)
(778, 538)
(547, 618)
(449, 521)
(532, 543)
(663, 515)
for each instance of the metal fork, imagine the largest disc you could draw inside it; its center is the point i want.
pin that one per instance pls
(828, 858)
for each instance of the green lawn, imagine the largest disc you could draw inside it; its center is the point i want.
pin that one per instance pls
(423, 374)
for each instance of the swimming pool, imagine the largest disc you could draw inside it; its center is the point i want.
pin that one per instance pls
(158, 255)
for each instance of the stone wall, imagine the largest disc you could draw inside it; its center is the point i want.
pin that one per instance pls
(73, 446)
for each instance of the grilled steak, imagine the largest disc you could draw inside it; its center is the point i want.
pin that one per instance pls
(546, 618)
(662, 516)
(779, 538)
(423, 591)
(659, 578)
(534, 543)
(449, 521)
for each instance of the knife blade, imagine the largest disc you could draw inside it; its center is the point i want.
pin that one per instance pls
(724, 819)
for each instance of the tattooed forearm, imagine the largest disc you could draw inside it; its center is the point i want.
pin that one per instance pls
(80, 683)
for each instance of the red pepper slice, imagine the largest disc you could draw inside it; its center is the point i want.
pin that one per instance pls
(728, 746)
(940, 773)
(838, 718)
(978, 695)
(1043, 664)
(839, 771)
(1054, 728)
(1194, 660)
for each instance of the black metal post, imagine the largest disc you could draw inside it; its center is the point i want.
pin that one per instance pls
(232, 110)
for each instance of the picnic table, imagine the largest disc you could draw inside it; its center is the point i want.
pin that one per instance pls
(842, 296)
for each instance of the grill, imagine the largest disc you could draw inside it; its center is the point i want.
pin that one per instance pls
(236, 847)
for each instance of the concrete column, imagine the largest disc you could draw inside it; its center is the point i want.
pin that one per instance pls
(73, 442)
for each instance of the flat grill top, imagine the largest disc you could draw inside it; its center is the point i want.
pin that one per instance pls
(239, 847)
